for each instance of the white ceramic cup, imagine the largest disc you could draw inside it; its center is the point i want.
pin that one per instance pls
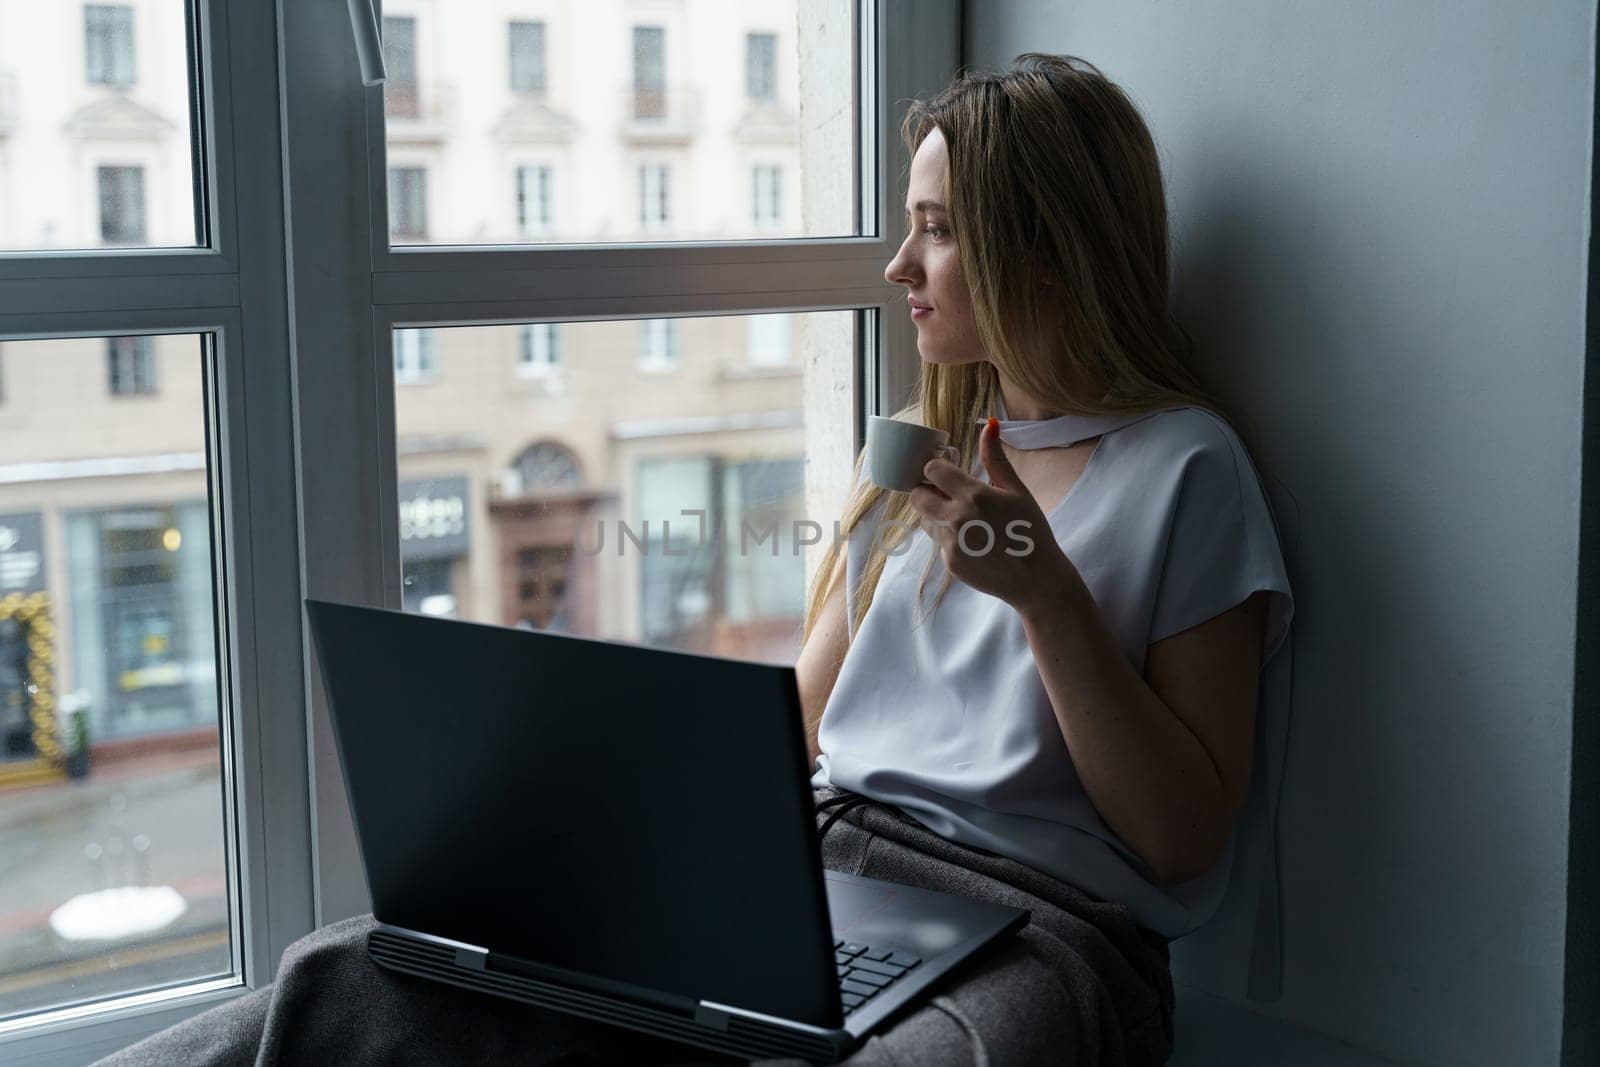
(898, 450)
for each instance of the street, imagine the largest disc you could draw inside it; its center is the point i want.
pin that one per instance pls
(154, 821)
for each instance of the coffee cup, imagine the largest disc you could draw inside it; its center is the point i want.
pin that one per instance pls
(898, 450)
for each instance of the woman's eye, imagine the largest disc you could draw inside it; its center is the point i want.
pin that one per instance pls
(936, 232)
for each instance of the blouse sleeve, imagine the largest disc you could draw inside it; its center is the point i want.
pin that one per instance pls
(1222, 543)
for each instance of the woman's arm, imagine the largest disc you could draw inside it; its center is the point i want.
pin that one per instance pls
(817, 668)
(1166, 762)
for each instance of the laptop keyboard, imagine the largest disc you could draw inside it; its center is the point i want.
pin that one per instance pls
(864, 972)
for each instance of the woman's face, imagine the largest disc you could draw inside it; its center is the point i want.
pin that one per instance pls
(929, 266)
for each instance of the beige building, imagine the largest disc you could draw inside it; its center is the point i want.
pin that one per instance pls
(538, 463)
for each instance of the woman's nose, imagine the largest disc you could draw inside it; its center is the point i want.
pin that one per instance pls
(899, 270)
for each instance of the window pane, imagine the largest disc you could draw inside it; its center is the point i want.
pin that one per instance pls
(557, 498)
(96, 128)
(112, 872)
(649, 121)
(527, 56)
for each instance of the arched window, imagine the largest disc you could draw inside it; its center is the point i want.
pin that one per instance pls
(547, 465)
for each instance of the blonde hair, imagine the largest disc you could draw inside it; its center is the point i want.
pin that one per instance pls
(1052, 176)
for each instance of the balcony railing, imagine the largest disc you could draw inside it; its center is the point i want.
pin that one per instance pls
(659, 115)
(418, 111)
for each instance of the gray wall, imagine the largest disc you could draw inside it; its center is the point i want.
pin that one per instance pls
(1380, 215)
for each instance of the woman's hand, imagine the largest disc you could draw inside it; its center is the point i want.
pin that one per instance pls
(994, 537)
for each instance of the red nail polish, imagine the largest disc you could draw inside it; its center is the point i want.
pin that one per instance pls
(994, 424)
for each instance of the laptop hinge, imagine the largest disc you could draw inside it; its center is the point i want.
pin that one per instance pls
(712, 1018)
(472, 958)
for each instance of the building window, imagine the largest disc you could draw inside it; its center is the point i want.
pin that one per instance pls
(527, 57)
(654, 196)
(130, 366)
(766, 495)
(408, 202)
(546, 465)
(767, 340)
(541, 350)
(649, 72)
(400, 68)
(122, 205)
(535, 200)
(761, 66)
(658, 345)
(108, 45)
(766, 195)
(413, 356)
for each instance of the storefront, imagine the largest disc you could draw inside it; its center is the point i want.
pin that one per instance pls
(27, 647)
(433, 542)
(143, 635)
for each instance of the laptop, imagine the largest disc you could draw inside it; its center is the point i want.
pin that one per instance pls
(617, 832)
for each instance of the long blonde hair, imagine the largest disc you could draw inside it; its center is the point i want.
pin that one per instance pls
(1052, 176)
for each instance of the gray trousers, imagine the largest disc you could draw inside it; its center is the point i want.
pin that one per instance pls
(1082, 984)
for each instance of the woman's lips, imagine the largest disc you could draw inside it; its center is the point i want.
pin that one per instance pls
(920, 313)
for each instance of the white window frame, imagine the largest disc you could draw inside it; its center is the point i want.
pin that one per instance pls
(415, 357)
(535, 192)
(233, 289)
(659, 351)
(766, 195)
(655, 196)
(760, 334)
(539, 352)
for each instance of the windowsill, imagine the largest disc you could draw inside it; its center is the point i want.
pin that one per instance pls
(547, 381)
(749, 372)
(657, 368)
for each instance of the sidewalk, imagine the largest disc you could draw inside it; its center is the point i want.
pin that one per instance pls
(156, 820)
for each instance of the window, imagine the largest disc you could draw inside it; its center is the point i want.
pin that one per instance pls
(767, 340)
(649, 72)
(413, 356)
(130, 366)
(408, 203)
(535, 200)
(654, 197)
(609, 86)
(400, 89)
(250, 522)
(526, 557)
(121, 205)
(766, 192)
(658, 345)
(108, 640)
(541, 350)
(69, 109)
(761, 67)
(762, 495)
(108, 45)
(527, 57)
(547, 465)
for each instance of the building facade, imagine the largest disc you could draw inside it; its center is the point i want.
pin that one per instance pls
(638, 479)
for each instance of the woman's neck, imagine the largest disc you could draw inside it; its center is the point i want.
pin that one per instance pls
(1019, 405)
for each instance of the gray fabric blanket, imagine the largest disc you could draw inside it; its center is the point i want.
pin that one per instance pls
(1082, 984)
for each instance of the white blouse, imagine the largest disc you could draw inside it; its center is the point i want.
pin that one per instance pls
(948, 718)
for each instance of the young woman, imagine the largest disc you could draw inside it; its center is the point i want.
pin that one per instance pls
(1074, 710)
(1066, 729)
